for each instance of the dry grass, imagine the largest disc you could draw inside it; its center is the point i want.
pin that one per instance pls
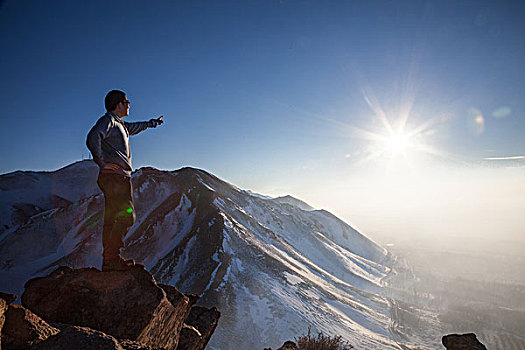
(321, 342)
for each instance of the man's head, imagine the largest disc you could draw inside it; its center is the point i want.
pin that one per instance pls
(117, 103)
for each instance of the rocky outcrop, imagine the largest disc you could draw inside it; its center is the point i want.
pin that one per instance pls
(467, 341)
(5, 300)
(89, 309)
(83, 338)
(198, 328)
(9, 298)
(190, 338)
(199, 325)
(288, 345)
(73, 337)
(125, 304)
(3, 309)
(134, 345)
(22, 329)
(175, 297)
(200, 322)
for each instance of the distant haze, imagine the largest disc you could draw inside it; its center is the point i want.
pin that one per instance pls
(439, 206)
(475, 210)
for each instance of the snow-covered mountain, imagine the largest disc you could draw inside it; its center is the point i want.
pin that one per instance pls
(273, 266)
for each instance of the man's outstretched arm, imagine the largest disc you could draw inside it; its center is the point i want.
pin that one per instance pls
(136, 127)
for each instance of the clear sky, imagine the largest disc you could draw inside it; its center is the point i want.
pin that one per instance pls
(320, 99)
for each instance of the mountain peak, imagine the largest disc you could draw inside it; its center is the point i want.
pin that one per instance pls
(288, 199)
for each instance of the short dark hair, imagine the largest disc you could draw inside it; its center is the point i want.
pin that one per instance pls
(113, 98)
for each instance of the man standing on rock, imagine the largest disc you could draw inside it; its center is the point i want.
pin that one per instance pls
(108, 142)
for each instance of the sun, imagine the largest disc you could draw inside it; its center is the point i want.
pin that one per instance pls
(397, 143)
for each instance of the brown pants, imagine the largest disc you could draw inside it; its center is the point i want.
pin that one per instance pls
(119, 212)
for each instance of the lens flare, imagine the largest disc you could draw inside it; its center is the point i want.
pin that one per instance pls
(479, 119)
(476, 121)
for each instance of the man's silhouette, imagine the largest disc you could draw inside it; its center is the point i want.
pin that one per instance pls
(108, 142)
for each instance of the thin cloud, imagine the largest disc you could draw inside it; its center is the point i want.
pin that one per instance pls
(505, 158)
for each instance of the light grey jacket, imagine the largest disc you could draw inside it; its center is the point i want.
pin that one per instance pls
(108, 142)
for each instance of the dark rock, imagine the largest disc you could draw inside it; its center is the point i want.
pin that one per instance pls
(289, 345)
(174, 296)
(3, 309)
(134, 345)
(199, 327)
(124, 304)
(22, 329)
(72, 337)
(190, 338)
(462, 342)
(8, 297)
(193, 298)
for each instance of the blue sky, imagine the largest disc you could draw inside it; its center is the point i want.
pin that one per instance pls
(262, 93)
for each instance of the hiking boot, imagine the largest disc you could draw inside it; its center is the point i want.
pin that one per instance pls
(117, 264)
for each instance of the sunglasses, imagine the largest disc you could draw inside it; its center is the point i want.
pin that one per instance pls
(126, 102)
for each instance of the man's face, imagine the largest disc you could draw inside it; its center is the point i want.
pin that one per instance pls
(123, 108)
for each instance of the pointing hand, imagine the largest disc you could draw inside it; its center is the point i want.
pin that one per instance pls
(158, 121)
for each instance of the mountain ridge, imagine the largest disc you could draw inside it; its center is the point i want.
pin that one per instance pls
(272, 268)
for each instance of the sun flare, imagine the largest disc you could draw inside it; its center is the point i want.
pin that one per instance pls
(397, 143)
